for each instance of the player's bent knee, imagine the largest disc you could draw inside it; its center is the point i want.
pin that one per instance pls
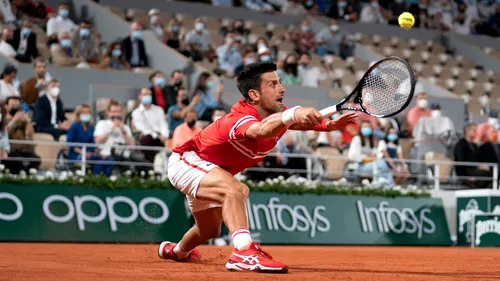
(246, 190)
(237, 191)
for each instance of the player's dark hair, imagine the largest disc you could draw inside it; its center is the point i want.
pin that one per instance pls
(251, 76)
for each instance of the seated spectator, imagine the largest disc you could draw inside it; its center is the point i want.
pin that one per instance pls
(395, 9)
(436, 126)
(149, 121)
(264, 54)
(32, 88)
(343, 11)
(7, 88)
(114, 58)
(113, 132)
(229, 54)
(49, 112)
(482, 130)
(177, 113)
(418, 111)
(86, 41)
(218, 114)
(304, 39)
(249, 57)
(208, 102)
(329, 40)
(293, 8)
(258, 5)
(34, 10)
(6, 48)
(311, 75)
(489, 152)
(82, 131)
(467, 151)
(59, 24)
(24, 42)
(491, 26)
(363, 153)
(158, 86)
(238, 27)
(290, 73)
(287, 146)
(63, 54)
(20, 128)
(372, 13)
(390, 149)
(175, 82)
(134, 48)
(156, 24)
(199, 42)
(173, 35)
(186, 130)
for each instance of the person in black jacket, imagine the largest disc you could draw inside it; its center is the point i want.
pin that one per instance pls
(24, 42)
(134, 48)
(467, 151)
(49, 112)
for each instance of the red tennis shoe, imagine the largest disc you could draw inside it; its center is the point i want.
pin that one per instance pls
(254, 259)
(166, 251)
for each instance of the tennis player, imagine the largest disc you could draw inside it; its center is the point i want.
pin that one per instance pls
(203, 168)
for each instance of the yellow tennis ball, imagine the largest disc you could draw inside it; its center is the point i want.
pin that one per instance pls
(406, 20)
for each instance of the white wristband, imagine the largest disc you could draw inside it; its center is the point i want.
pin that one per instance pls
(288, 116)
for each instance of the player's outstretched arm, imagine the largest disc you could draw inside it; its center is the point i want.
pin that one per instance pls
(273, 125)
(329, 125)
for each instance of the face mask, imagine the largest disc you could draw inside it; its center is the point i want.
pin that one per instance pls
(185, 100)
(190, 123)
(160, 81)
(342, 4)
(392, 137)
(304, 28)
(492, 121)
(13, 111)
(66, 43)
(199, 26)
(309, 3)
(137, 34)
(435, 113)
(374, 5)
(229, 40)
(85, 118)
(152, 19)
(175, 28)
(422, 103)
(84, 32)
(261, 45)
(335, 116)
(250, 60)
(64, 13)
(366, 131)
(265, 58)
(148, 99)
(116, 53)
(26, 31)
(178, 83)
(334, 28)
(54, 92)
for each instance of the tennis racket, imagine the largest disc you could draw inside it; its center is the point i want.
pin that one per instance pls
(385, 90)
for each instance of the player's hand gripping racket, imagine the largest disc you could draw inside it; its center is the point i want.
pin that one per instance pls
(385, 90)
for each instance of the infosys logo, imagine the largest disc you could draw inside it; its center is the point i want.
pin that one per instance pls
(386, 219)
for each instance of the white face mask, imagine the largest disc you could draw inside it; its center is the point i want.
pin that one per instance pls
(436, 113)
(54, 92)
(422, 103)
(492, 121)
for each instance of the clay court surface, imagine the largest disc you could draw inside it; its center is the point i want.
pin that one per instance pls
(96, 262)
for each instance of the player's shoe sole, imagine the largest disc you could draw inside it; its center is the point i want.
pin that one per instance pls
(238, 266)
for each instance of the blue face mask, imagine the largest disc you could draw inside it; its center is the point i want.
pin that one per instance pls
(64, 13)
(250, 60)
(210, 85)
(65, 43)
(199, 26)
(175, 28)
(84, 32)
(335, 116)
(147, 99)
(342, 4)
(160, 81)
(85, 118)
(137, 34)
(366, 131)
(304, 28)
(265, 58)
(116, 53)
(392, 137)
(26, 31)
(379, 134)
(374, 5)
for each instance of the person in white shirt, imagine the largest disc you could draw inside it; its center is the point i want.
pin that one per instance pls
(60, 23)
(372, 13)
(149, 121)
(199, 42)
(390, 149)
(7, 88)
(6, 49)
(229, 55)
(49, 113)
(311, 75)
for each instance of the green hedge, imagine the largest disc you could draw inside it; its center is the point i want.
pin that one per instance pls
(151, 181)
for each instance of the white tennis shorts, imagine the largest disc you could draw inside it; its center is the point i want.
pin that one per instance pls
(185, 173)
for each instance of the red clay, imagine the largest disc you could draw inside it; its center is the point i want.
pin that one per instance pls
(96, 262)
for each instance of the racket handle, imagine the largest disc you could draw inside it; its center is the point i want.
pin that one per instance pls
(329, 111)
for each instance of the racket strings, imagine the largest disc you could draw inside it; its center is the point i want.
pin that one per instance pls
(386, 88)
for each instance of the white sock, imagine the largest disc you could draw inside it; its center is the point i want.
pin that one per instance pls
(241, 238)
(179, 253)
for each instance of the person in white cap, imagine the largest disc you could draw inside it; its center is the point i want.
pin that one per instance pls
(264, 54)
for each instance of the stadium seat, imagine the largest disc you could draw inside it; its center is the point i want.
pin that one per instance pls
(48, 153)
(445, 169)
(334, 166)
